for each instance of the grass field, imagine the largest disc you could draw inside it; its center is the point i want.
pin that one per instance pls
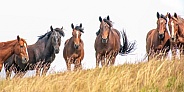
(153, 76)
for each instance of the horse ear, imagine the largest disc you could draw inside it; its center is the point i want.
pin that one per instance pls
(18, 38)
(100, 19)
(51, 28)
(175, 15)
(169, 15)
(62, 28)
(80, 24)
(72, 26)
(158, 15)
(108, 18)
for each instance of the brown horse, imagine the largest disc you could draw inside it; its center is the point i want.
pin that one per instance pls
(73, 51)
(108, 45)
(176, 28)
(18, 47)
(157, 40)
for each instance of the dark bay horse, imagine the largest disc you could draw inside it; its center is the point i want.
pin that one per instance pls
(158, 40)
(176, 28)
(41, 54)
(18, 47)
(108, 45)
(73, 51)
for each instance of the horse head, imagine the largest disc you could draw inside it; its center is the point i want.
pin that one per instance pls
(105, 27)
(76, 34)
(161, 25)
(56, 38)
(21, 49)
(173, 26)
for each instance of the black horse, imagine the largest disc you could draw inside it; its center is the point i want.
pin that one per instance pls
(41, 54)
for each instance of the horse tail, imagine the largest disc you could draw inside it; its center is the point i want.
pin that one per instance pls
(127, 47)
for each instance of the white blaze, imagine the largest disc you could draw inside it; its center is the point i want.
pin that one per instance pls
(77, 33)
(172, 26)
(26, 48)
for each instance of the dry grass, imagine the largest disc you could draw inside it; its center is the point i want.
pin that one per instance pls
(154, 76)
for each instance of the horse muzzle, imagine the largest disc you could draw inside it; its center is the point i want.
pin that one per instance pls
(56, 50)
(161, 36)
(76, 46)
(25, 60)
(104, 40)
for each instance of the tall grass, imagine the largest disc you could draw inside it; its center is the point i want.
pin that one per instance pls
(151, 76)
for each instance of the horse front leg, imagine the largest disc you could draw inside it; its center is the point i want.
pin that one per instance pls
(20, 74)
(38, 68)
(45, 68)
(78, 65)
(98, 56)
(68, 64)
(1, 66)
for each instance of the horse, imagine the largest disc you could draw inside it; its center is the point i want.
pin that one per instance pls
(42, 54)
(18, 47)
(176, 29)
(158, 40)
(107, 43)
(73, 51)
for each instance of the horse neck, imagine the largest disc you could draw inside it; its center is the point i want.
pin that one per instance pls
(48, 47)
(7, 49)
(181, 27)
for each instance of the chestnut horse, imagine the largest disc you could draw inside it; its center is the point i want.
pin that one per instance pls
(18, 47)
(176, 28)
(157, 40)
(73, 51)
(41, 55)
(108, 45)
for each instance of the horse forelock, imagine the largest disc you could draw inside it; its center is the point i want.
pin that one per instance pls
(79, 28)
(108, 22)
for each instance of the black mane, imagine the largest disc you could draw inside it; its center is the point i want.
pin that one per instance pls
(46, 34)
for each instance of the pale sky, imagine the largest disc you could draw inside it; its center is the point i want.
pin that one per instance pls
(30, 19)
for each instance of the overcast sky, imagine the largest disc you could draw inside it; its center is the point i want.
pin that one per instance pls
(30, 19)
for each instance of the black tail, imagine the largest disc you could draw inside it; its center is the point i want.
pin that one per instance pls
(127, 47)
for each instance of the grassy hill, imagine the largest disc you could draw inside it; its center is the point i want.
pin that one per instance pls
(154, 76)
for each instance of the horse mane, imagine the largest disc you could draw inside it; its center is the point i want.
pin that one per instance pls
(180, 19)
(46, 34)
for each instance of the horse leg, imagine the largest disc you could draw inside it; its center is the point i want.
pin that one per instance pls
(103, 61)
(68, 64)
(1, 66)
(8, 72)
(45, 68)
(97, 60)
(19, 74)
(78, 65)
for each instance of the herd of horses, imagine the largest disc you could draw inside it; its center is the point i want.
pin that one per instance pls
(19, 57)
